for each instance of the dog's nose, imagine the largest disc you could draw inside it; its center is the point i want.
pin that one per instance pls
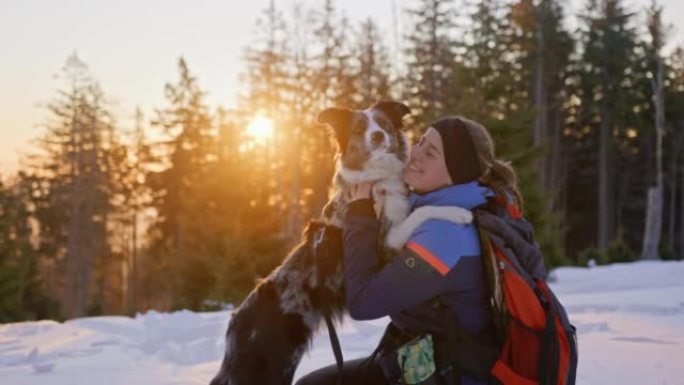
(377, 137)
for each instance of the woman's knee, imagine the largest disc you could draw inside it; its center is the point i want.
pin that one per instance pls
(317, 377)
(305, 380)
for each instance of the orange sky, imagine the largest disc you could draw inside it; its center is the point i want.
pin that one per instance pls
(132, 47)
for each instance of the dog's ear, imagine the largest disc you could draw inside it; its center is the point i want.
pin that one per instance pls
(339, 120)
(394, 110)
(335, 117)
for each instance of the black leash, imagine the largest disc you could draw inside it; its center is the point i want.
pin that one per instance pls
(319, 243)
(335, 342)
(453, 332)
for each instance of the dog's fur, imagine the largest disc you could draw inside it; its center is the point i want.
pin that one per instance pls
(371, 148)
(273, 327)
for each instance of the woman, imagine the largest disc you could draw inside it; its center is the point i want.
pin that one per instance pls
(439, 272)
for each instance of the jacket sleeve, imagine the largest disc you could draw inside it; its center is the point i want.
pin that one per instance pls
(376, 291)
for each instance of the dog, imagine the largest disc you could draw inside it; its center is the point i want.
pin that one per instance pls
(273, 327)
(373, 148)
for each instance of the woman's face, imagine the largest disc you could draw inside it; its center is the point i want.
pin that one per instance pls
(427, 169)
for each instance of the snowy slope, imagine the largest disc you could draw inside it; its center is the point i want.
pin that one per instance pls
(630, 319)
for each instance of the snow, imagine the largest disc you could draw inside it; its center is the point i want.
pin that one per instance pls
(630, 321)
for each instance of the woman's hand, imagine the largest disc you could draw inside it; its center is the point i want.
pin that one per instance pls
(360, 191)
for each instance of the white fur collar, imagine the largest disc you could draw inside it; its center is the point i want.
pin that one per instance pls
(385, 166)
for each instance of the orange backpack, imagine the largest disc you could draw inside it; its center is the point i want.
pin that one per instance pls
(538, 343)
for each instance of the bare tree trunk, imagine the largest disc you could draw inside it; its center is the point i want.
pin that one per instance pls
(654, 210)
(540, 133)
(94, 238)
(135, 199)
(322, 83)
(78, 192)
(681, 216)
(433, 57)
(299, 64)
(605, 233)
(556, 174)
(671, 205)
(133, 280)
(673, 190)
(72, 254)
(397, 52)
(294, 212)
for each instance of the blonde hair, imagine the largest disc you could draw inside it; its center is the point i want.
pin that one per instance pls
(497, 174)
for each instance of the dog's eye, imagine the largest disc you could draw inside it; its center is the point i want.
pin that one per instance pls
(384, 124)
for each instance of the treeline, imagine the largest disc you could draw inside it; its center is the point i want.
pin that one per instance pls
(183, 209)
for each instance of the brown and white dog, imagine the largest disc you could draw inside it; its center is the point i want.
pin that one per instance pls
(273, 327)
(372, 147)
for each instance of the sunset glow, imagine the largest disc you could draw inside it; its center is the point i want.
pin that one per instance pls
(260, 129)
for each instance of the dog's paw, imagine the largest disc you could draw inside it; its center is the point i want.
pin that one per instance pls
(453, 214)
(396, 238)
(398, 235)
(450, 213)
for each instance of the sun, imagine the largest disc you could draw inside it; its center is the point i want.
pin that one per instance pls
(260, 129)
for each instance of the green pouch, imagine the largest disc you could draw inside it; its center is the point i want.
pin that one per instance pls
(416, 360)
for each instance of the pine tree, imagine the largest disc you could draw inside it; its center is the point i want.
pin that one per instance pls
(545, 49)
(244, 234)
(608, 53)
(334, 70)
(273, 89)
(493, 92)
(183, 266)
(131, 200)
(71, 182)
(373, 78)
(314, 70)
(22, 293)
(429, 78)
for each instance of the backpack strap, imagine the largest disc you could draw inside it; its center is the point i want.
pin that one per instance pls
(494, 288)
(549, 363)
(467, 353)
(512, 209)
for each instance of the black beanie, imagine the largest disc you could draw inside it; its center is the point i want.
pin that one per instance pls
(459, 150)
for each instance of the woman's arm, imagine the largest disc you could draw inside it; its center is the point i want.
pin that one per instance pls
(376, 291)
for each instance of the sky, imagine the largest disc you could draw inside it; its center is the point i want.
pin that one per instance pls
(132, 46)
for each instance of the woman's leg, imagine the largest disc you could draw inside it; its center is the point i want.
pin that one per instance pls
(360, 371)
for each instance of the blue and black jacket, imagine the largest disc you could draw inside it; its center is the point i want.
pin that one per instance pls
(442, 260)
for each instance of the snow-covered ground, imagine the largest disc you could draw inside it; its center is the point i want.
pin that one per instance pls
(630, 319)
